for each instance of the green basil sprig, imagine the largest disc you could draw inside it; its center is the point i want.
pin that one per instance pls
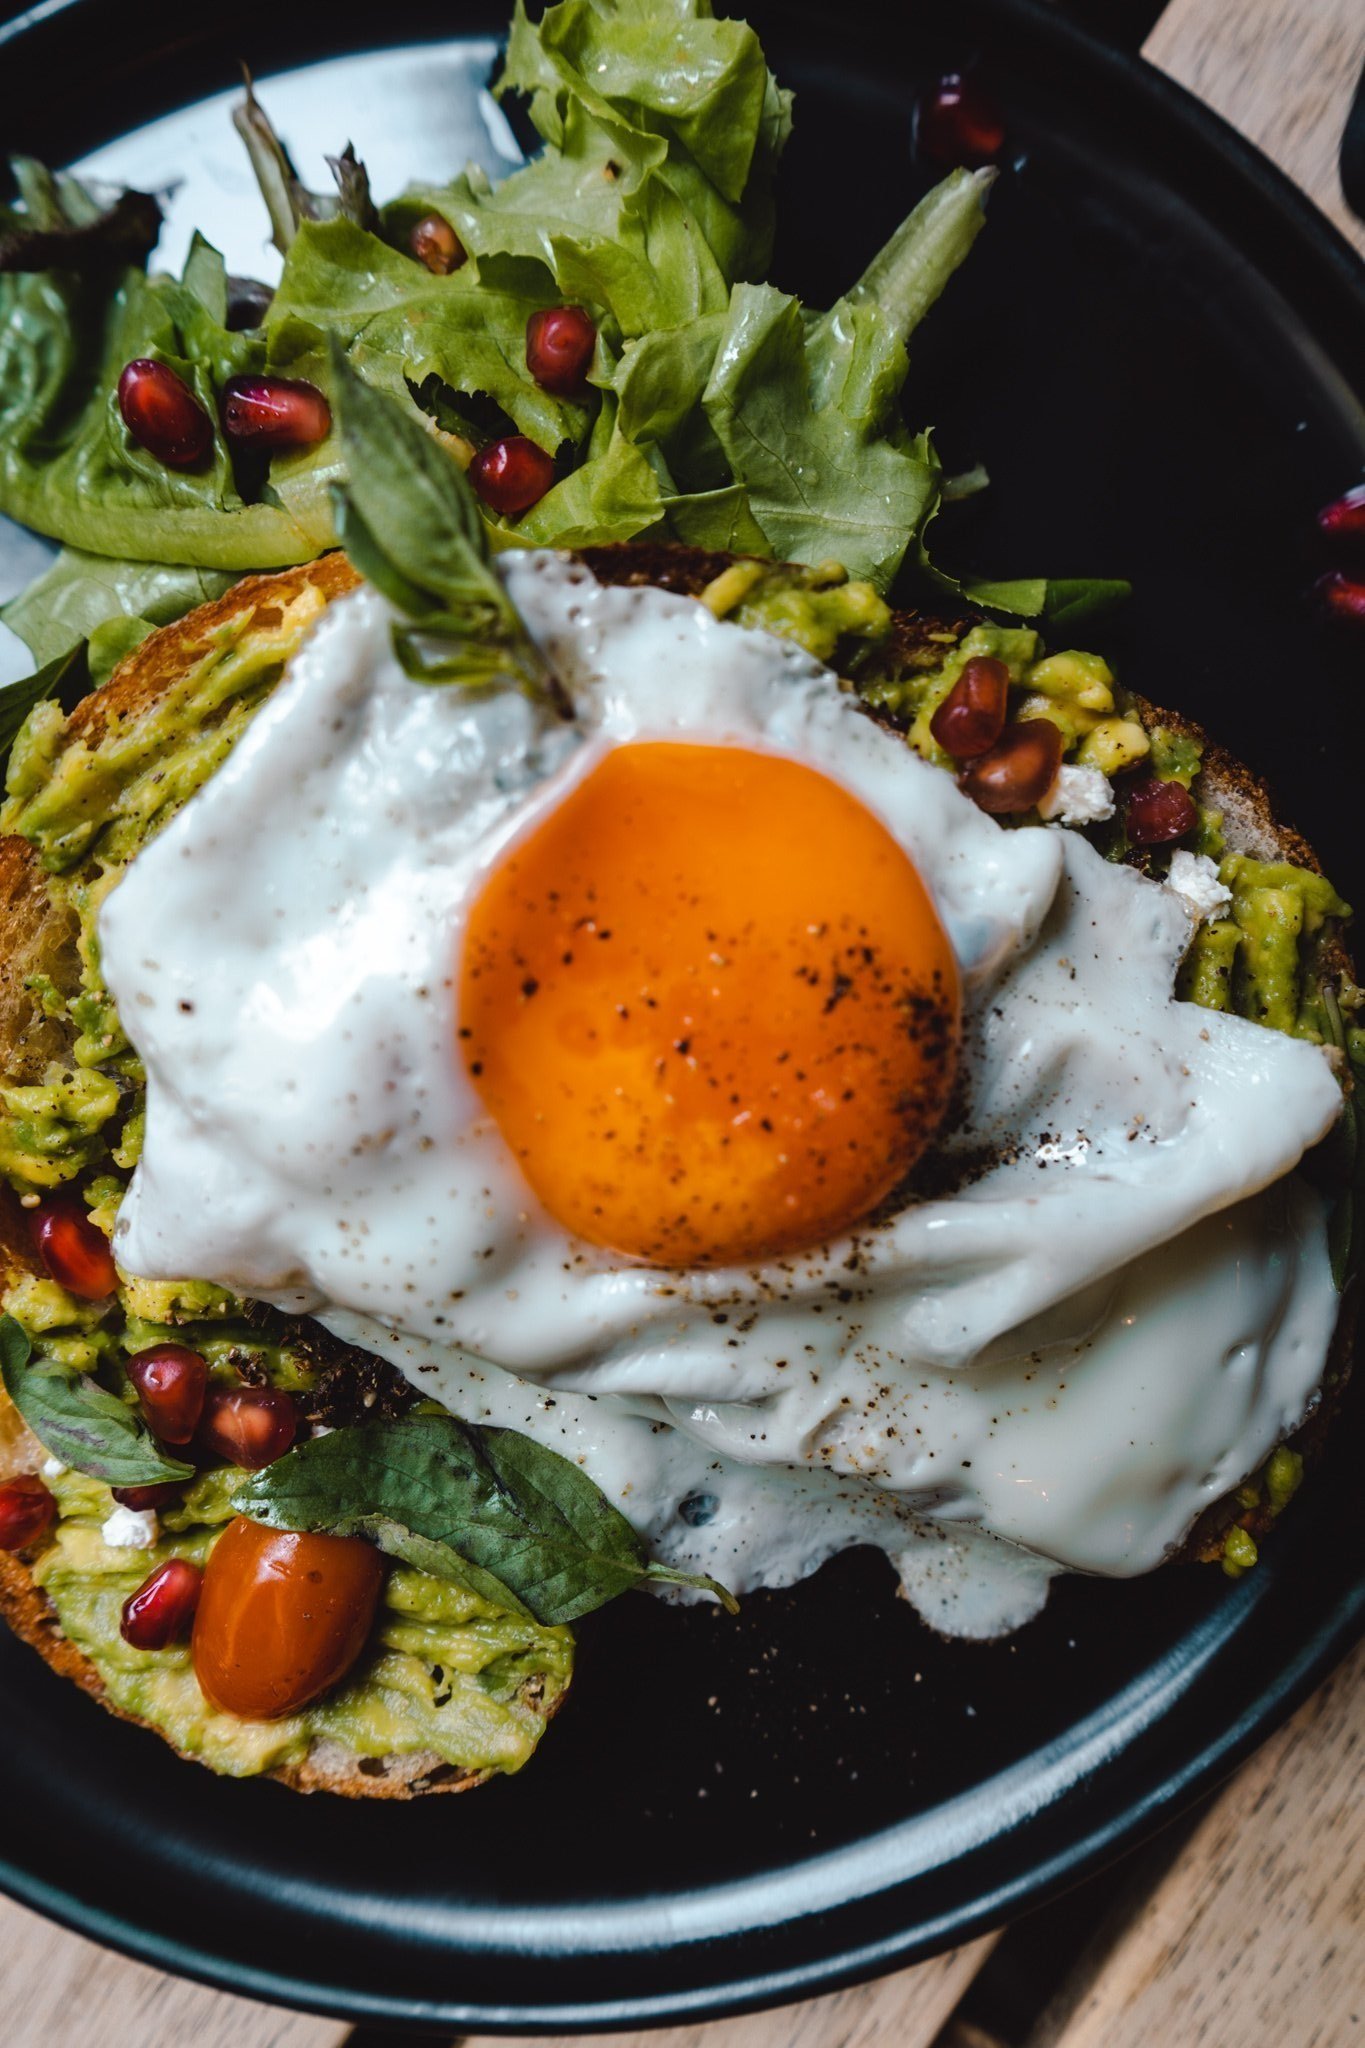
(491, 1509)
(412, 526)
(79, 1421)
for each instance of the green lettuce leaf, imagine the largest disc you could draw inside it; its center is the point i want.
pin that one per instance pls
(68, 465)
(719, 410)
(81, 593)
(663, 129)
(401, 326)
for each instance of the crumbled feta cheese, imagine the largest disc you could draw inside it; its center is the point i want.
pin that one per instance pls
(1054, 1153)
(1079, 796)
(1194, 879)
(52, 1468)
(131, 1529)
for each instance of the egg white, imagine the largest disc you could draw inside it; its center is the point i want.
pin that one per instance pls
(1000, 1362)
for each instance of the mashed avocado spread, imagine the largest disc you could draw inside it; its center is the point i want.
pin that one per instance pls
(446, 1673)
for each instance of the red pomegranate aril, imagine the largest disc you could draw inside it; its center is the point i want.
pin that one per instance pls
(1344, 518)
(171, 1382)
(434, 242)
(161, 1612)
(275, 414)
(163, 415)
(1158, 812)
(1018, 771)
(249, 1426)
(559, 347)
(73, 1248)
(27, 1509)
(1344, 596)
(512, 475)
(143, 1497)
(958, 123)
(971, 717)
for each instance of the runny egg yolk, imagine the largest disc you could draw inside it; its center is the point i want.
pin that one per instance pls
(710, 1005)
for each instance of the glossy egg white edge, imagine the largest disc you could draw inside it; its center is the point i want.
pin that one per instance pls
(1057, 1365)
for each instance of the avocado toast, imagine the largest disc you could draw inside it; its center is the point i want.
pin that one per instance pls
(448, 1690)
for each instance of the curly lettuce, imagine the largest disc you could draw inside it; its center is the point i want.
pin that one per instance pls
(719, 410)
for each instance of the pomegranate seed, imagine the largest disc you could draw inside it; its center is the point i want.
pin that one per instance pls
(1158, 812)
(163, 415)
(1019, 769)
(434, 242)
(1344, 596)
(275, 414)
(74, 1250)
(143, 1497)
(512, 475)
(559, 345)
(958, 123)
(170, 1381)
(971, 717)
(250, 1426)
(26, 1510)
(1344, 518)
(162, 1609)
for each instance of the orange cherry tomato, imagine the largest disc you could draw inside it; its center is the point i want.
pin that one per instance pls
(281, 1617)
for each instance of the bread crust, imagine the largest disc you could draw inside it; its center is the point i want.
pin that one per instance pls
(33, 939)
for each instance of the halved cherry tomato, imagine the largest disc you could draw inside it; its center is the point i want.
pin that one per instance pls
(281, 1617)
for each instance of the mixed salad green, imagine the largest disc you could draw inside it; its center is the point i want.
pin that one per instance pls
(718, 410)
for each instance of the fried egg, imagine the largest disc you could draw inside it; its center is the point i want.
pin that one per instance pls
(700, 1082)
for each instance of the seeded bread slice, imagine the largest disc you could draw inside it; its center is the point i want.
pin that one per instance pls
(35, 938)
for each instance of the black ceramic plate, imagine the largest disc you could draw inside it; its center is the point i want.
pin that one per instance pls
(1153, 346)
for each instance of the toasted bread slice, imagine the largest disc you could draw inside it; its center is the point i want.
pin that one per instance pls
(34, 937)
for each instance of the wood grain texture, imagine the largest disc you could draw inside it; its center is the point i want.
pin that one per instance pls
(1283, 71)
(904, 2011)
(1257, 1934)
(57, 1989)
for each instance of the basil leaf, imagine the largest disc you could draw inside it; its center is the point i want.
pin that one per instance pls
(80, 1422)
(66, 677)
(489, 1508)
(433, 560)
(1073, 601)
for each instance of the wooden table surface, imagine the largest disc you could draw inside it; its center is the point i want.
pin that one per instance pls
(1250, 1933)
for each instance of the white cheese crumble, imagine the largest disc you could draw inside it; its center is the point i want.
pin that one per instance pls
(52, 1468)
(1055, 1153)
(1194, 879)
(1079, 796)
(131, 1529)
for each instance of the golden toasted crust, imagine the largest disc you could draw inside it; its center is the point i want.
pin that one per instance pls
(33, 940)
(162, 658)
